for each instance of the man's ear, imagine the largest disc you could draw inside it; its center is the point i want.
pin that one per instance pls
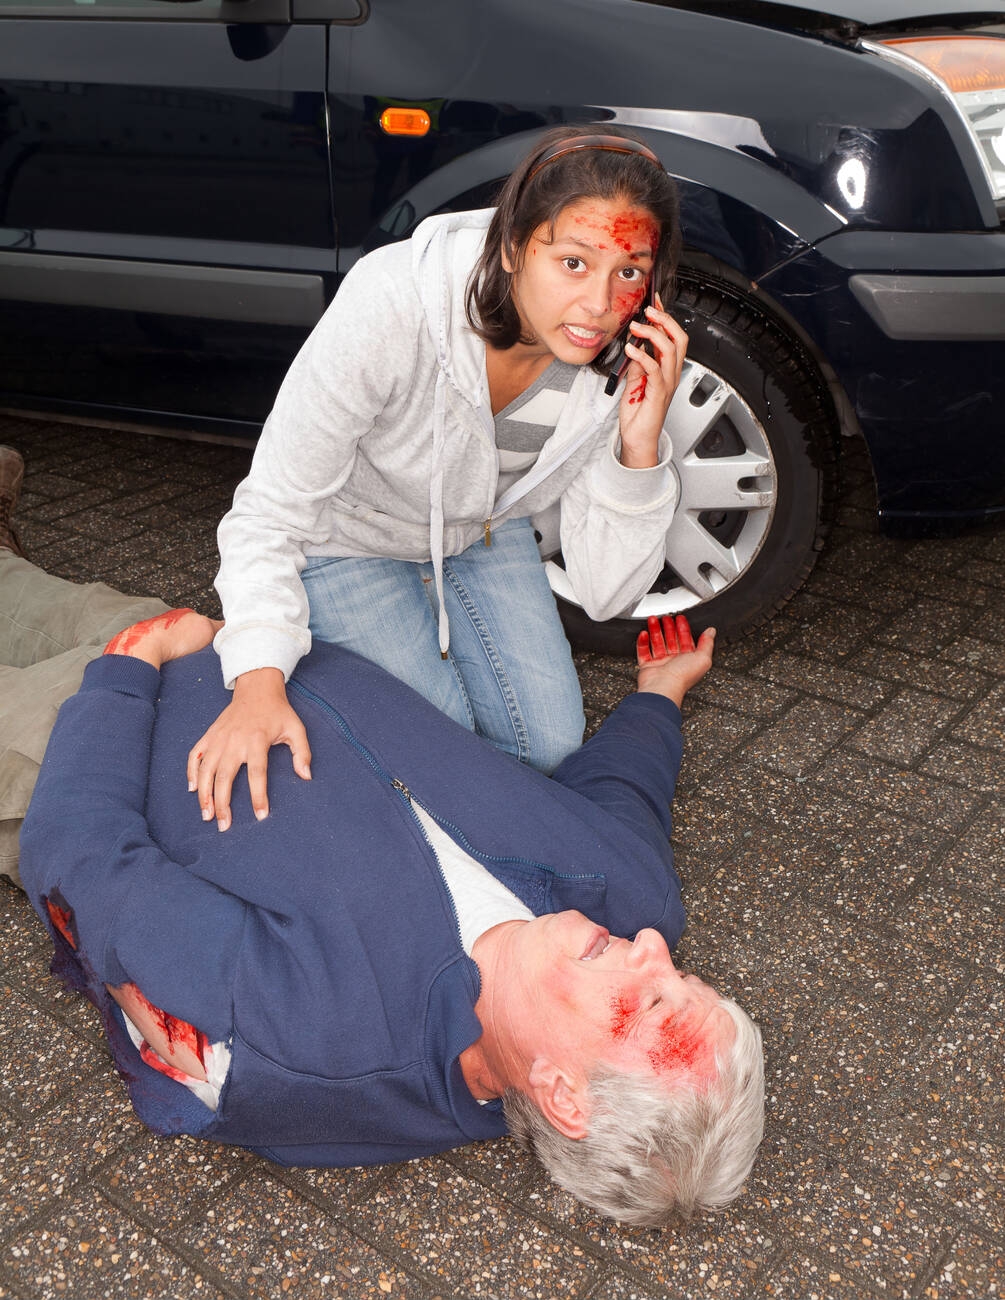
(561, 1098)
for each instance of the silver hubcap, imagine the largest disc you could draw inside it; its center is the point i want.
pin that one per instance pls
(728, 494)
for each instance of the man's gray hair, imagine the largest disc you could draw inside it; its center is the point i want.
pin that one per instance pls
(653, 1152)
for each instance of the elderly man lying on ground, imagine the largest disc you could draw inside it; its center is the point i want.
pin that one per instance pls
(423, 945)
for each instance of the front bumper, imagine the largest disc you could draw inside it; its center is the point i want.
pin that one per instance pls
(947, 308)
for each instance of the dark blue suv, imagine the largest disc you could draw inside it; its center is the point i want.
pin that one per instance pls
(183, 183)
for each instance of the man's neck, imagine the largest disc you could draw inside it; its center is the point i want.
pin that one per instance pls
(491, 1065)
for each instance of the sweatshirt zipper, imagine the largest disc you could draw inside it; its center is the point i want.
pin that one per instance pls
(455, 832)
(401, 788)
(412, 802)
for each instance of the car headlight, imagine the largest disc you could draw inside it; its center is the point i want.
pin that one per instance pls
(970, 69)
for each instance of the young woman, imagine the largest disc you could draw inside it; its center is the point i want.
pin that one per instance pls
(452, 397)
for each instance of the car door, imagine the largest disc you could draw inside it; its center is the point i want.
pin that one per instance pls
(166, 226)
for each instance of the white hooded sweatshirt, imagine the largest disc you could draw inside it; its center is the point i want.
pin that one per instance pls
(382, 443)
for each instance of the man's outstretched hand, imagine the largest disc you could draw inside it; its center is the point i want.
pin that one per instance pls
(669, 661)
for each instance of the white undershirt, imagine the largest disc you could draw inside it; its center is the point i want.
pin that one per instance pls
(479, 899)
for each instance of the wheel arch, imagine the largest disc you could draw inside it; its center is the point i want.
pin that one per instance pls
(736, 204)
(699, 265)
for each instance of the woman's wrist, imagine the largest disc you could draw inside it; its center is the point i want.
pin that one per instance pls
(638, 458)
(260, 682)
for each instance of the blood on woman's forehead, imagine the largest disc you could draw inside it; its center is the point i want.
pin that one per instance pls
(634, 230)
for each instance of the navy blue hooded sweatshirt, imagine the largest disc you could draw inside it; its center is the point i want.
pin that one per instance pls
(322, 942)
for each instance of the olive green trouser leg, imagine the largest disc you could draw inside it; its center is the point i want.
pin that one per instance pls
(50, 630)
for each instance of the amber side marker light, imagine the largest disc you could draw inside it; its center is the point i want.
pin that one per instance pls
(972, 70)
(405, 121)
(967, 64)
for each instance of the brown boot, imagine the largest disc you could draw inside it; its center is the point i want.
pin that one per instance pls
(11, 478)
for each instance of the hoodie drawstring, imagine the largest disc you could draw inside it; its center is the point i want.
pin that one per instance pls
(436, 509)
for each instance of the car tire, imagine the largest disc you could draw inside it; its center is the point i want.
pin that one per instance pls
(743, 541)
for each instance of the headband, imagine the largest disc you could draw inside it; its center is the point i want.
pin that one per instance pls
(610, 143)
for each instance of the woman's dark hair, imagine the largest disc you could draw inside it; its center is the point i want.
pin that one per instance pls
(547, 181)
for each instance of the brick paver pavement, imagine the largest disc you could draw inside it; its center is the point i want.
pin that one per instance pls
(841, 835)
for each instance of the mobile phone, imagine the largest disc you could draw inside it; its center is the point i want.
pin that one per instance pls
(623, 359)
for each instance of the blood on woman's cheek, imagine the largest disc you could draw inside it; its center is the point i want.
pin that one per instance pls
(627, 305)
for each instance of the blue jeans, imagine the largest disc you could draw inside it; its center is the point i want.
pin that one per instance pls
(509, 676)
